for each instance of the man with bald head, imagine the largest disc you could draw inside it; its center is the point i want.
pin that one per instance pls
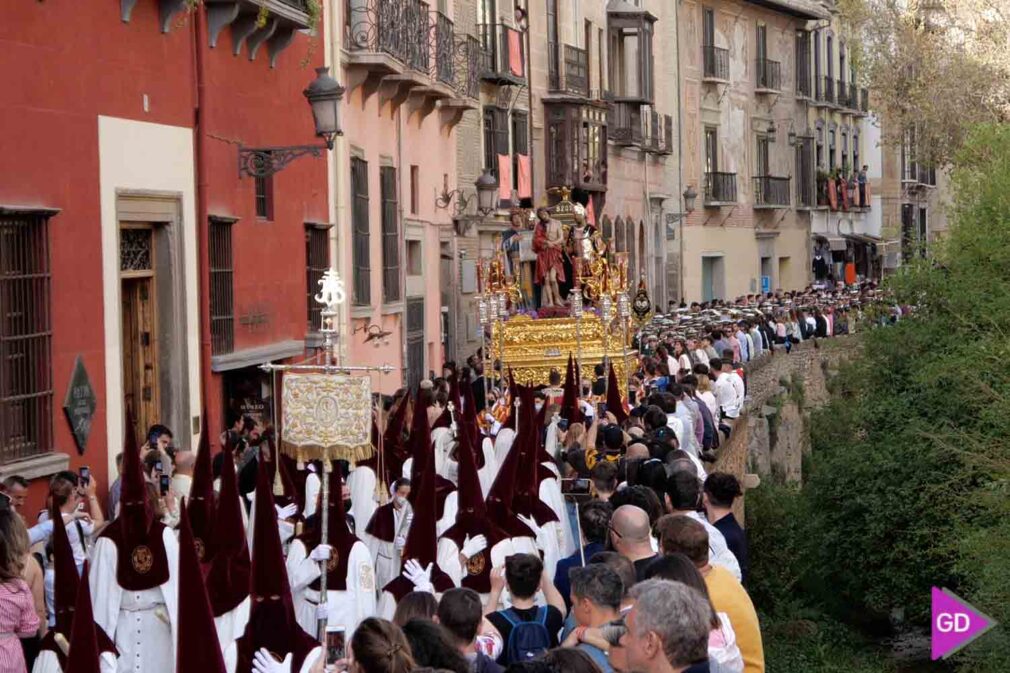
(630, 536)
(182, 474)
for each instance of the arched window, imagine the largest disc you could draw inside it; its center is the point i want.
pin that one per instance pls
(619, 235)
(608, 228)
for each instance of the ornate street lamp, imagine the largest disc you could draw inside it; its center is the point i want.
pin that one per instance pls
(487, 193)
(689, 197)
(324, 95)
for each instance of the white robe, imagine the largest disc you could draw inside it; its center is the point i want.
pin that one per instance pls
(345, 609)
(449, 510)
(48, 662)
(550, 494)
(487, 473)
(312, 487)
(231, 625)
(136, 620)
(549, 539)
(385, 557)
(361, 483)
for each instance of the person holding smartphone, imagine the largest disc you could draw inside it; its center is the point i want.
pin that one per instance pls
(81, 511)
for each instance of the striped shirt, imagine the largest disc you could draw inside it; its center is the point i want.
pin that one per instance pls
(18, 619)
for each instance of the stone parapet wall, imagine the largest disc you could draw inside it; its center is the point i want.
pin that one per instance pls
(770, 437)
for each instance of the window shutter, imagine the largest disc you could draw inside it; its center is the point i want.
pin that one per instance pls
(390, 236)
(359, 215)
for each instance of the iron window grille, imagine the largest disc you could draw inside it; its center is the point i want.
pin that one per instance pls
(26, 396)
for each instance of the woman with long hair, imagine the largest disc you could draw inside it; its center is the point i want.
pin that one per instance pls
(723, 652)
(378, 646)
(415, 605)
(432, 647)
(18, 616)
(683, 355)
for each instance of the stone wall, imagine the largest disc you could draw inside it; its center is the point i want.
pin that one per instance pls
(771, 437)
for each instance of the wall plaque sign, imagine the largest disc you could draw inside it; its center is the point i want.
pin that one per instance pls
(79, 405)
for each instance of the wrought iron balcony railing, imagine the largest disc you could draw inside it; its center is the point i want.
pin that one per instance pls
(504, 54)
(829, 90)
(720, 188)
(715, 62)
(864, 100)
(397, 28)
(771, 192)
(769, 75)
(445, 48)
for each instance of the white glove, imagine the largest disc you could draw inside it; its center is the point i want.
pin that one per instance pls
(264, 662)
(418, 576)
(400, 542)
(474, 546)
(320, 553)
(531, 523)
(287, 511)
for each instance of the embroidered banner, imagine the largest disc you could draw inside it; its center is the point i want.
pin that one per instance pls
(327, 416)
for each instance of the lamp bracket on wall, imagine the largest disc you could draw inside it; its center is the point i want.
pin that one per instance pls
(262, 162)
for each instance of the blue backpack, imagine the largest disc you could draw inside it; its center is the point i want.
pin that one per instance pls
(528, 640)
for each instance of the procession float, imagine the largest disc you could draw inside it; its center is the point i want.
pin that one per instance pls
(553, 288)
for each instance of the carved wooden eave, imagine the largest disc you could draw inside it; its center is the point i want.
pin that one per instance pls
(283, 20)
(395, 88)
(367, 69)
(423, 99)
(451, 111)
(167, 10)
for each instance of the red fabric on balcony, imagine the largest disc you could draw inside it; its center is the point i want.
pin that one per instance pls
(516, 66)
(868, 199)
(504, 177)
(525, 177)
(843, 187)
(832, 194)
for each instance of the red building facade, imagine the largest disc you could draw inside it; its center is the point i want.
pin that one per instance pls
(129, 241)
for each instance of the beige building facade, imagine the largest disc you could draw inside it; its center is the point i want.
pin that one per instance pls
(775, 132)
(576, 94)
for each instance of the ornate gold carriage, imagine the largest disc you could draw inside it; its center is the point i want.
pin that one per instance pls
(532, 347)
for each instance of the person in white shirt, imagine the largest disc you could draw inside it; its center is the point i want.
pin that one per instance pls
(728, 388)
(683, 496)
(182, 474)
(80, 522)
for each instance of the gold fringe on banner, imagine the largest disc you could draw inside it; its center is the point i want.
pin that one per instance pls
(304, 454)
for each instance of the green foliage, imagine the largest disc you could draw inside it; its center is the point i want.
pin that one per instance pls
(819, 646)
(798, 637)
(908, 484)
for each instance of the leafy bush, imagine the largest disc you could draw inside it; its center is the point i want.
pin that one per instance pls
(908, 485)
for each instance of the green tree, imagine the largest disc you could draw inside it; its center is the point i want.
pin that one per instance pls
(908, 483)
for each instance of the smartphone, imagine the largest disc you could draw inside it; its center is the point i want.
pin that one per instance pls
(163, 483)
(603, 409)
(152, 439)
(85, 473)
(158, 467)
(575, 486)
(335, 646)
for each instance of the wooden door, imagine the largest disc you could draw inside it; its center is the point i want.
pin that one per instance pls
(140, 361)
